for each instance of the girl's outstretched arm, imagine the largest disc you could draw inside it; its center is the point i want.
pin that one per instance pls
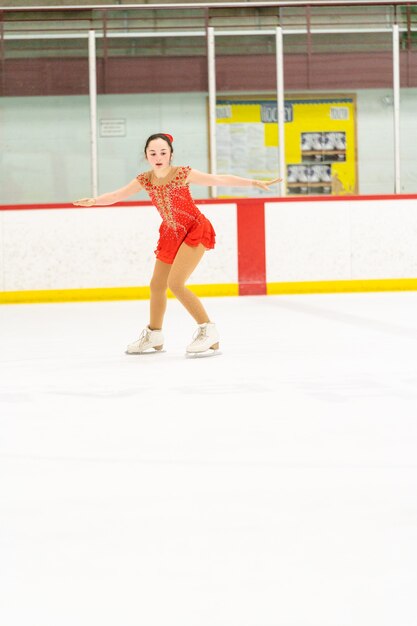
(113, 196)
(227, 180)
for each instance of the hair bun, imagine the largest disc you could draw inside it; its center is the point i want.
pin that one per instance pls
(170, 137)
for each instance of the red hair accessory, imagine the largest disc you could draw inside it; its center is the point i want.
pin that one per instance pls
(170, 137)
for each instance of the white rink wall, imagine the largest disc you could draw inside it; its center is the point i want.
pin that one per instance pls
(103, 247)
(305, 240)
(354, 239)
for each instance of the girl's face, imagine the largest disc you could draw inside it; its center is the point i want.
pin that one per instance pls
(158, 154)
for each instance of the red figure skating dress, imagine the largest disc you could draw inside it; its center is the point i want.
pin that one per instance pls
(182, 221)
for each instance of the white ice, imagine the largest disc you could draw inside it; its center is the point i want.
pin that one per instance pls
(274, 485)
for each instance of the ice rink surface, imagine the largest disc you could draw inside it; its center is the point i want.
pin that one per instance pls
(274, 485)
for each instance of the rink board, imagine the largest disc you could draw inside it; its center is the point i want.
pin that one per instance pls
(64, 253)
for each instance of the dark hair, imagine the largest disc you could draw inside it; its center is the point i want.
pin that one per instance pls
(159, 136)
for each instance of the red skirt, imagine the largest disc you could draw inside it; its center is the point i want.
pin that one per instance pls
(200, 231)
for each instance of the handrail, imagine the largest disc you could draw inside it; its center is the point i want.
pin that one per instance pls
(211, 5)
(201, 33)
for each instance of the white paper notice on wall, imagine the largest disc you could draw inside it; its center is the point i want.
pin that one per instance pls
(113, 127)
(339, 113)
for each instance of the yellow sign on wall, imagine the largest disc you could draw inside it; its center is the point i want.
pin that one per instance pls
(320, 142)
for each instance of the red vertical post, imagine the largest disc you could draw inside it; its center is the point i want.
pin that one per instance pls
(251, 247)
(2, 58)
(309, 50)
(105, 52)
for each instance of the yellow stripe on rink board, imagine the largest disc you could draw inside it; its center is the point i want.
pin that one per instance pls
(74, 295)
(343, 286)
(142, 293)
(214, 290)
(105, 293)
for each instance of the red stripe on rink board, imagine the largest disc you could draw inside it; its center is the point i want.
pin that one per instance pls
(251, 247)
(240, 201)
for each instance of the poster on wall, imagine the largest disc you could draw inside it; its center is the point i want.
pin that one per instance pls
(320, 143)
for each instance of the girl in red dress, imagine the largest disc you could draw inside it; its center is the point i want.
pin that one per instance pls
(184, 235)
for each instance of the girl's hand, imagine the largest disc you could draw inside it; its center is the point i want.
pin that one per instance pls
(85, 202)
(265, 184)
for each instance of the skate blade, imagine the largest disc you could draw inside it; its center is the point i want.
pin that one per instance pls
(203, 355)
(147, 353)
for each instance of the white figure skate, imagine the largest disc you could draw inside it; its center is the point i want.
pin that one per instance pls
(303, 174)
(148, 342)
(313, 174)
(340, 141)
(205, 341)
(317, 141)
(324, 173)
(305, 142)
(329, 140)
(292, 174)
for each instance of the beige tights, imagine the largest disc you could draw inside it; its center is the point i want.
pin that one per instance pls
(174, 277)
